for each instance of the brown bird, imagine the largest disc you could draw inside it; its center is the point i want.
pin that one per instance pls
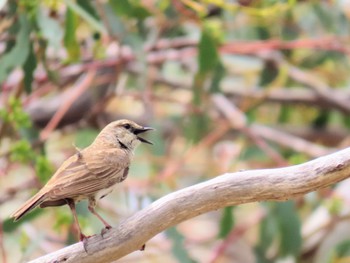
(91, 173)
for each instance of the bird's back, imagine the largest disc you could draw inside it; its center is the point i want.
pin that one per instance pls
(87, 172)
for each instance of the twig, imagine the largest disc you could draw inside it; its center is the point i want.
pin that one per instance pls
(174, 43)
(312, 81)
(249, 47)
(79, 89)
(238, 121)
(281, 95)
(291, 141)
(11, 192)
(236, 117)
(179, 48)
(277, 184)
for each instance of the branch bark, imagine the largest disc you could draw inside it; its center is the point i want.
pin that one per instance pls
(225, 190)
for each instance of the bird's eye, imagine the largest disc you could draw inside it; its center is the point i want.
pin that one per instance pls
(127, 126)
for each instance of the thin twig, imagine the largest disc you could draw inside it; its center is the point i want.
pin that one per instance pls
(8, 194)
(310, 80)
(79, 89)
(249, 47)
(257, 131)
(238, 121)
(293, 142)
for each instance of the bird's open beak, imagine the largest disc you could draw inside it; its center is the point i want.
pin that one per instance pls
(142, 130)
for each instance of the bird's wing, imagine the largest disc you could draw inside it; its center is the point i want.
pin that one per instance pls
(86, 173)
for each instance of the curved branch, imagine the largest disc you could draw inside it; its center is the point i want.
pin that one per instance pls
(225, 190)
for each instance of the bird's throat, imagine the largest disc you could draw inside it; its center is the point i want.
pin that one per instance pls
(122, 145)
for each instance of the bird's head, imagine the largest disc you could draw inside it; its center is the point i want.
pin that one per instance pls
(124, 134)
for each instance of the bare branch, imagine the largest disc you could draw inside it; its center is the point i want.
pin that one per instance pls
(225, 190)
(238, 121)
(79, 89)
(310, 80)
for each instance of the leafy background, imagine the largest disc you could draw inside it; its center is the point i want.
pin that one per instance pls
(228, 85)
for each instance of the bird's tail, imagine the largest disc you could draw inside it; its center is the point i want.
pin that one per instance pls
(29, 205)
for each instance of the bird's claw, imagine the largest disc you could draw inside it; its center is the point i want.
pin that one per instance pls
(143, 247)
(105, 230)
(85, 240)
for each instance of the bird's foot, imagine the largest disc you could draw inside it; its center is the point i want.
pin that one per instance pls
(84, 239)
(143, 247)
(105, 230)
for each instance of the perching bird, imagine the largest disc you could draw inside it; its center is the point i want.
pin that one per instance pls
(91, 173)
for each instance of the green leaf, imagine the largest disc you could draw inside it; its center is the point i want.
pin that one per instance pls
(50, 29)
(346, 120)
(21, 151)
(208, 57)
(343, 249)
(289, 228)
(17, 116)
(227, 222)
(43, 168)
(9, 225)
(268, 231)
(196, 127)
(70, 41)
(53, 75)
(218, 75)
(129, 9)
(18, 54)
(322, 119)
(298, 158)
(86, 5)
(260, 255)
(62, 219)
(198, 89)
(90, 19)
(285, 113)
(117, 26)
(325, 17)
(29, 68)
(281, 222)
(178, 249)
(269, 73)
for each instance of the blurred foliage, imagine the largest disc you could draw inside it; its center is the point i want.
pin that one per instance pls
(178, 247)
(227, 222)
(15, 115)
(160, 63)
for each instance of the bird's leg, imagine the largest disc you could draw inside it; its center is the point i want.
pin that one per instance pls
(71, 204)
(91, 207)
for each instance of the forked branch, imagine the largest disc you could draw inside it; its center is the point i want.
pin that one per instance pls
(229, 189)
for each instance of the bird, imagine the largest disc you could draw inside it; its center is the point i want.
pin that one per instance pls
(90, 173)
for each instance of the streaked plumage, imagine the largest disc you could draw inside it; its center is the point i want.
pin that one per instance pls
(92, 172)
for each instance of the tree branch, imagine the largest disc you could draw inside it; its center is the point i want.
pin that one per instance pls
(225, 190)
